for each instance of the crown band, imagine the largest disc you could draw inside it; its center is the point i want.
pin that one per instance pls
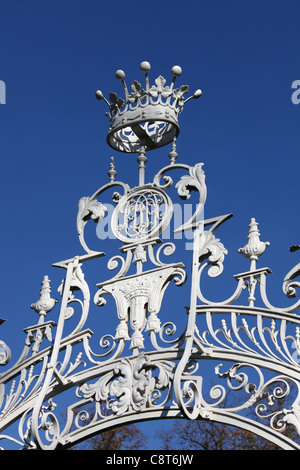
(151, 127)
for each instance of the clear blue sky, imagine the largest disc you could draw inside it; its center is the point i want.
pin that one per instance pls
(245, 128)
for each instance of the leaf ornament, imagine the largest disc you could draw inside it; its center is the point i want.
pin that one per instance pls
(194, 181)
(116, 103)
(88, 209)
(178, 94)
(160, 88)
(138, 93)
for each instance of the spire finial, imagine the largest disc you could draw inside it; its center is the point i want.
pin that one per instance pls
(112, 172)
(142, 160)
(173, 154)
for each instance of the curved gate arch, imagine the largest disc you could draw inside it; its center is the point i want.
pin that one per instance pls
(155, 361)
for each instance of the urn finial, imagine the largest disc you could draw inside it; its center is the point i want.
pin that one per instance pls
(45, 302)
(254, 248)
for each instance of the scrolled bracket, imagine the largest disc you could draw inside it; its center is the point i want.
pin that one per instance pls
(195, 181)
(289, 288)
(289, 284)
(90, 208)
(5, 354)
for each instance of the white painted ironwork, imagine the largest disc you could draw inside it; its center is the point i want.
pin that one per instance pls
(149, 367)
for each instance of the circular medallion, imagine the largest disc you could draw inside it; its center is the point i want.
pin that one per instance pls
(141, 214)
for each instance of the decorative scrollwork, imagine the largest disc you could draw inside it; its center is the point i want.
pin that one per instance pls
(275, 391)
(167, 179)
(196, 180)
(89, 208)
(111, 377)
(117, 260)
(167, 249)
(214, 250)
(131, 385)
(77, 283)
(289, 284)
(5, 354)
(47, 422)
(167, 330)
(238, 380)
(112, 346)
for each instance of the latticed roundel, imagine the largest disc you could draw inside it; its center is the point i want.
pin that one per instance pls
(141, 214)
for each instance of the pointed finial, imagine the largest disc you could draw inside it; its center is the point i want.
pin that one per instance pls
(142, 160)
(254, 248)
(112, 172)
(173, 154)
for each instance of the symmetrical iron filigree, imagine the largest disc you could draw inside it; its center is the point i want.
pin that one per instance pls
(153, 363)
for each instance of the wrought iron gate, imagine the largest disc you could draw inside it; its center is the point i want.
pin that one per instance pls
(149, 367)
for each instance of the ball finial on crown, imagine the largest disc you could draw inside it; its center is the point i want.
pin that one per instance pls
(176, 71)
(145, 66)
(147, 117)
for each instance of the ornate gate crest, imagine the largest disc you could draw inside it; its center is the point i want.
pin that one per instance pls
(148, 366)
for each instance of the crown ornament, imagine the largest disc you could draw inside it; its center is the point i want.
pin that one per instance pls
(147, 117)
